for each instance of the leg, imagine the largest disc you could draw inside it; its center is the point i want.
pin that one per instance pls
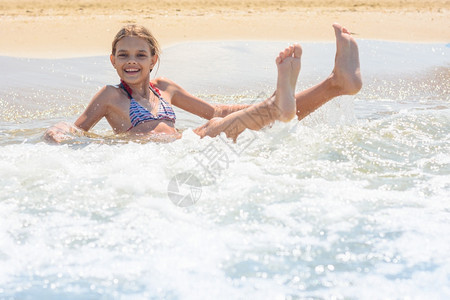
(280, 107)
(344, 80)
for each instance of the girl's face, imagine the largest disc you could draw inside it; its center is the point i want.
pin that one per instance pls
(133, 59)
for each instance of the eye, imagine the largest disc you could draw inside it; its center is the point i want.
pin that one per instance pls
(122, 55)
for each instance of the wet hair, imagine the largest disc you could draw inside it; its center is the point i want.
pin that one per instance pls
(138, 31)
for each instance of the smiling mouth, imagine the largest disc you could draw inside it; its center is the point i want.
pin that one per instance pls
(131, 71)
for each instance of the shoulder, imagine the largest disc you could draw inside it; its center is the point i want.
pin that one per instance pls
(163, 83)
(112, 90)
(108, 93)
(168, 86)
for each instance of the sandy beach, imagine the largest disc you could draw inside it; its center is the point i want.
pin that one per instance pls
(58, 28)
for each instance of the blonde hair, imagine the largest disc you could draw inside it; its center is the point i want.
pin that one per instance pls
(138, 31)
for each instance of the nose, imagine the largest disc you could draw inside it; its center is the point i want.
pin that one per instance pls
(132, 60)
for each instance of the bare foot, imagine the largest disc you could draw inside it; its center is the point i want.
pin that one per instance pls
(288, 64)
(346, 75)
(282, 104)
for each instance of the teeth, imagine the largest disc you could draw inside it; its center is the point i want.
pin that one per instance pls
(132, 70)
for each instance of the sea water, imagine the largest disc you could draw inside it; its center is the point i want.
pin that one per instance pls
(352, 202)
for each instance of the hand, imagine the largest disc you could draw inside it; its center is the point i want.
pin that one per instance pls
(212, 128)
(59, 133)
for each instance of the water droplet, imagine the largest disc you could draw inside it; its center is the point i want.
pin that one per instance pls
(319, 269)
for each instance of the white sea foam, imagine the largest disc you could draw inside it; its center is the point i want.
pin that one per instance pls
(352, 202)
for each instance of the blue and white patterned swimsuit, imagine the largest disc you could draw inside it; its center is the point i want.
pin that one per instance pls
(139, 114)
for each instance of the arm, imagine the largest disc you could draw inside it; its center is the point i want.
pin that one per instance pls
(93, 113)
(225, 110)
(184, 100)
(96, 109)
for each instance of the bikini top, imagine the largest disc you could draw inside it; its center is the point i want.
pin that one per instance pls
(139, 114)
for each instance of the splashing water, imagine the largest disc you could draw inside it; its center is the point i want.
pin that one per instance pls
(351, 202)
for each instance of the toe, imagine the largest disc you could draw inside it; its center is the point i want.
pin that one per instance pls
(287, 52)
(278, 60)
(297, 49)
(291, 50)
(337, 28)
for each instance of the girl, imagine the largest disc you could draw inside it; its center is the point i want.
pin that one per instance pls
(138, 106)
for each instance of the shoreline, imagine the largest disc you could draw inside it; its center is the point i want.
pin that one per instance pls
(58, 29)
